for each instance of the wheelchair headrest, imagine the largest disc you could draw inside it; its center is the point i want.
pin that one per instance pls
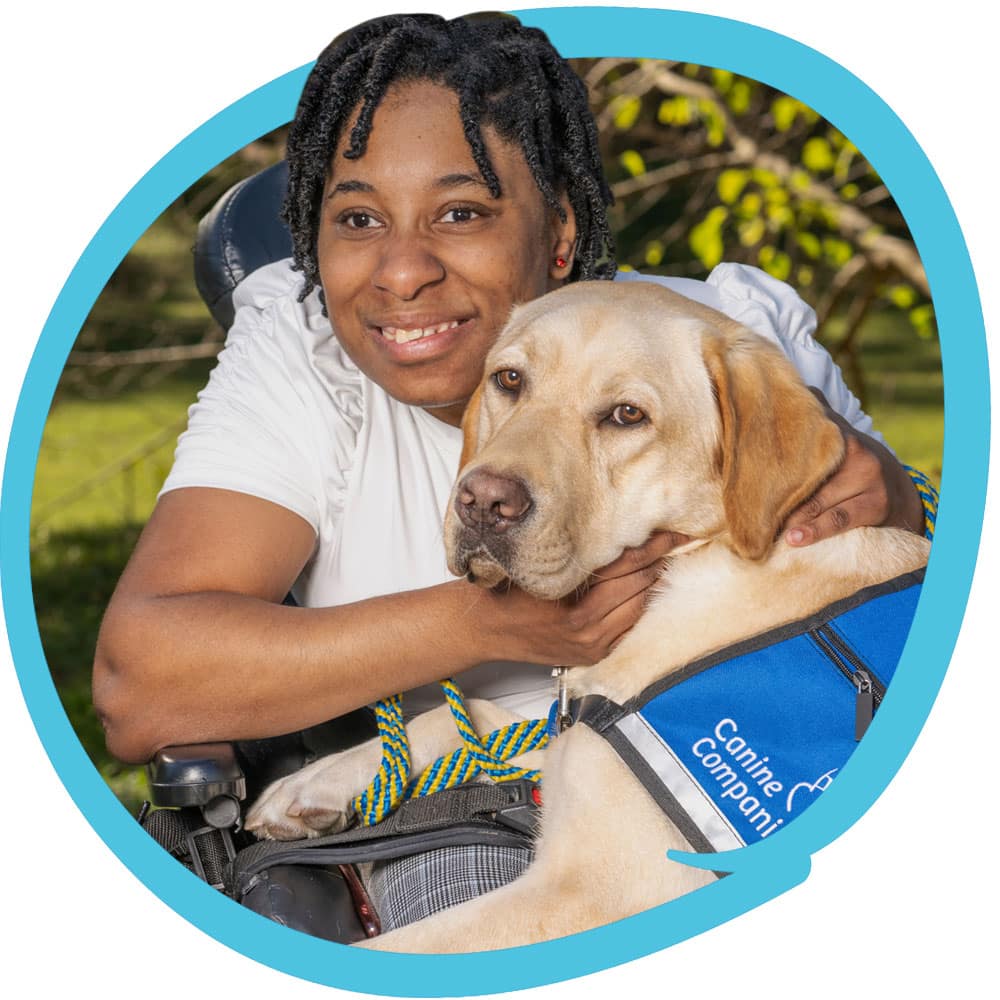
(241, 233)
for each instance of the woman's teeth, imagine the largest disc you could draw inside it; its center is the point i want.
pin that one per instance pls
(405, 336)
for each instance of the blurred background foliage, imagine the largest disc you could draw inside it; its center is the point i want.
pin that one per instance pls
(705, 166)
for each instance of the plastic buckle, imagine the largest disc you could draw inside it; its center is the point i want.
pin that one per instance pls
(521, 812)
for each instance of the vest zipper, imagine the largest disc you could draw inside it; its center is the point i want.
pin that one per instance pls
(870, 690)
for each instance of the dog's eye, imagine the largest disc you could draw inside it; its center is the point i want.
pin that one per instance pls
(626, 415)
(508, 380)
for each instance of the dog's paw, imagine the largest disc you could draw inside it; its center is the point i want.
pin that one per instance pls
(310, 803)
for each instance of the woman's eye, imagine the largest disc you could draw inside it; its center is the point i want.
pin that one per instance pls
(460, 214)
(508, 380)
(626, 415)
(358, 220)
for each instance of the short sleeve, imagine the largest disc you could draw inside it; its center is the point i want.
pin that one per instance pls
(774, 310)
(274, 420)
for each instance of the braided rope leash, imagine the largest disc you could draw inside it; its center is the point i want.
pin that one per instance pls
(928, 497)
(388, 787)
(391, 784)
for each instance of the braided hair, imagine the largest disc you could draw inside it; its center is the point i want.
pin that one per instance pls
(506, 76)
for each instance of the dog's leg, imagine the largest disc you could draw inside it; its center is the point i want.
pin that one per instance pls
(316, 800)
(601, 857)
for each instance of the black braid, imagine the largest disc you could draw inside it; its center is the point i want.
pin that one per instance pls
(506, 76)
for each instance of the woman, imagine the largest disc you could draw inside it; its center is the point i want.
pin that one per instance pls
(440, 172)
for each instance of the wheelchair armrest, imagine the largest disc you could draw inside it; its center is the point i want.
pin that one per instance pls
(204, 775)
(241, 233)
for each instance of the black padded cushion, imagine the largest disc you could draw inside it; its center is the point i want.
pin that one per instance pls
(241, 233)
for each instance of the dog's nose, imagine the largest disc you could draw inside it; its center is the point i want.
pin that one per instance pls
(490, 502)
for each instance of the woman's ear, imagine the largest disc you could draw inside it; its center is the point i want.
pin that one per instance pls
(563, 245)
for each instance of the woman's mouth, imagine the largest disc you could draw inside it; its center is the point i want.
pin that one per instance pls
(406, 344)
(404, 336)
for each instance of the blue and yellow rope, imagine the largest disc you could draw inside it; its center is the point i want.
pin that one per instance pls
(391, 784)
(928, 497)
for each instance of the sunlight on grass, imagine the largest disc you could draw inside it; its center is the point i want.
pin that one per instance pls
(85, 439)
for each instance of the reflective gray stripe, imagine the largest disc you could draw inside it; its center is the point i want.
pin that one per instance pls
(679, 782)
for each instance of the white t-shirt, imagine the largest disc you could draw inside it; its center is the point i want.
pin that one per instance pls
(286, 416)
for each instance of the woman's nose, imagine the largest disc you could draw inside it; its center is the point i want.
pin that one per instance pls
(406, 266)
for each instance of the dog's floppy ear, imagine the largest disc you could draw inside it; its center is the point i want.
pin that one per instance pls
(777, 444)
(470, 425)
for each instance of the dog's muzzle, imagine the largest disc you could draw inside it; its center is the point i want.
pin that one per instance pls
(489, 506)
(487, 503)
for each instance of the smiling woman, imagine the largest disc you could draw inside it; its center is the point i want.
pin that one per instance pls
(441, 173)
(419, 261)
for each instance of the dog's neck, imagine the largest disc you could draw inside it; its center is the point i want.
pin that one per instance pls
(709, 598)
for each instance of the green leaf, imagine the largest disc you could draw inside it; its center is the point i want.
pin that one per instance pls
(903, 296)
(750, 205)
(705, 239)
(810, 244)
(783, 110)
(765, 178)
(799, 180)
(731, 184)
(817, 155)
(626, 111)
(776, 262)
(922, 319)
(838, 252)
(633, 162)
(674, 111)
(722, 80)
(714, 121)
(850, 191)
(738, 98)
(780, 217)
(751, 232)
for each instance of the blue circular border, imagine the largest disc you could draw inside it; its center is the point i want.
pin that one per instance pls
(760, 872)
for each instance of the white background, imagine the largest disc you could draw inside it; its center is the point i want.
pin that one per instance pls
(94, 95)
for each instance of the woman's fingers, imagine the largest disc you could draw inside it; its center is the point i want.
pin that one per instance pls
(869, 488)
(854, 495)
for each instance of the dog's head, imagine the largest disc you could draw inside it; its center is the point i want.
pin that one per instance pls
(608, 411)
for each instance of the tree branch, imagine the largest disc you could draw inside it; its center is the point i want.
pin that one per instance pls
(881, 249)
(146, 356)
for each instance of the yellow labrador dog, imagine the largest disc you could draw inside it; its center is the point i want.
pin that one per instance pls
(608, 412)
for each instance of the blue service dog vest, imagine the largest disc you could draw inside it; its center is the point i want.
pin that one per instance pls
(735, 745)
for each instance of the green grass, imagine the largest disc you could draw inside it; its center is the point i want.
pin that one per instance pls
(79, 545)
(904, 390)
(73, 574)
(84, 439)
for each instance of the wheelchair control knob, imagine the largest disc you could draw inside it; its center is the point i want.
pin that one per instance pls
(222, 812)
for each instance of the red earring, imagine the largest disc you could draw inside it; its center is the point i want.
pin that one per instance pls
(561, 261)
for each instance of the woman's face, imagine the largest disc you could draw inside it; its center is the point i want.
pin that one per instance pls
(420, 266)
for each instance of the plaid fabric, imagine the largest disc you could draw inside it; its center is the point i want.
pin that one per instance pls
(407, 889)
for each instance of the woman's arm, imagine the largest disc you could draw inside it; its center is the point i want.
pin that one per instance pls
(195, 645)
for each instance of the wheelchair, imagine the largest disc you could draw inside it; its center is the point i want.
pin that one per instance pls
(199, 793)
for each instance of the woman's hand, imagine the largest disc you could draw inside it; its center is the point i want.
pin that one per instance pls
(869, 488)
(581, 630)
